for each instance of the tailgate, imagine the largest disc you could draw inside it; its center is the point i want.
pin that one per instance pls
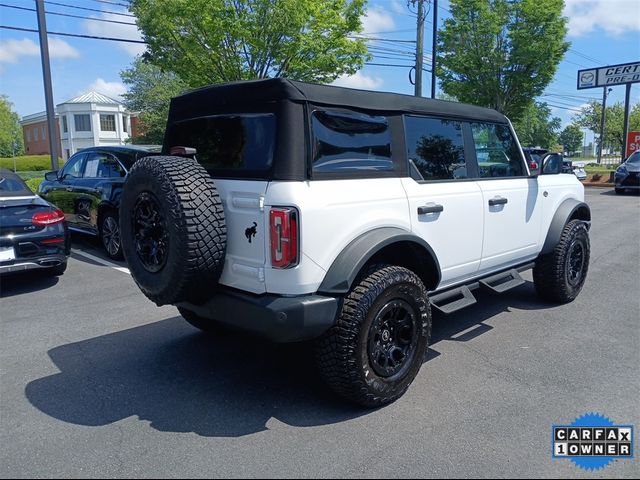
(243, 202)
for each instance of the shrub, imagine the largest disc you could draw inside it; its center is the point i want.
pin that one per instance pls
(34, 183)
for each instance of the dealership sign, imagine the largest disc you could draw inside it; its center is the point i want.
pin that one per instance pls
(609, 76)
(633, 142)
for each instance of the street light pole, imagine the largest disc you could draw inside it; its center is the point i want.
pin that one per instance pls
(419, 48)
(602, 122)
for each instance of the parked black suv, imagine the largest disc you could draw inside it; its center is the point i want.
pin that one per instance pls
(89, 187)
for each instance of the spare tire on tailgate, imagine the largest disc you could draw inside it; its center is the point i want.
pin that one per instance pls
(173, 229)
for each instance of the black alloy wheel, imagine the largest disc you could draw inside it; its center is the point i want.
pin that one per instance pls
(110, 235)
(150, 229)
(393, 337)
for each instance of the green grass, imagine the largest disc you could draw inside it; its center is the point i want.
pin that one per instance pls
(603, 169)
(33, 179)
(29, 163)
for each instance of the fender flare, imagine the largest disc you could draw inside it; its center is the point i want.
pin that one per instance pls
(568, 210)
(345, 268)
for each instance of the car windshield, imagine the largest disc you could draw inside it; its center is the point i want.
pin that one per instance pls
(634, 158)
(12, 186)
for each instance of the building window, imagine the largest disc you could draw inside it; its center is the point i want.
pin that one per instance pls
(83, 123)
(67, 153)
(28, 134)
(125, 122)
(108, 123)
(65, 127)
(44, 134)
(35, 134)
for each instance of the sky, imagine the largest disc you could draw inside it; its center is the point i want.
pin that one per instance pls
(601, 32)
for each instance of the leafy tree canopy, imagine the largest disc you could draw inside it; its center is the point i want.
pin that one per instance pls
(149, 92)
(501, 53)
(211, 41)
(590, 117)
(11, 142)
(536, 127)
(571, 138)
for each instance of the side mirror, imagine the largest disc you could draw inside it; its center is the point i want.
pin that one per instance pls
(552, 164)
(51, 176)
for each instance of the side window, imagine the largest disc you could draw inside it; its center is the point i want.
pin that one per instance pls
(102, 165)
(72, 169)
(497, 151)
(435, 148)
(350, 142)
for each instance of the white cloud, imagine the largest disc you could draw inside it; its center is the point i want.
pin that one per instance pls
(377, 19)
(117, 30)
(399, 6)
(113, 90)
(615, 17)
(11, 50)
(359, 80)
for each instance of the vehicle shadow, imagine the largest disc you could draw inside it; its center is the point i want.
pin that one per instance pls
(181, 380)
(93, 246)
(612, 193)
(25, 282)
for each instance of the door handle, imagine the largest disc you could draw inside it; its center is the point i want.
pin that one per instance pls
(430, 208)
(497, 201)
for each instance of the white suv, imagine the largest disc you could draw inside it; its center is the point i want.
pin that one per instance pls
(303, 212)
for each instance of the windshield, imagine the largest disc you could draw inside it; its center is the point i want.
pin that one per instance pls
(634, 158)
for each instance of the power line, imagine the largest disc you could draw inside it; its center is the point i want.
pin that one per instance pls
(113, 3)
(68, 15)
(88, 9)
(373, 39)
(388, 65)
(77, 35)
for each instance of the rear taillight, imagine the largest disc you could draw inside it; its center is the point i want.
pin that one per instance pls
(43, 219)
(283, 226)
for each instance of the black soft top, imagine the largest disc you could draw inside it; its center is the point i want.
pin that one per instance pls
(223, 97)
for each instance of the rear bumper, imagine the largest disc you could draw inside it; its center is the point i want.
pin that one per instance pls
(21, 265)
(281, 319)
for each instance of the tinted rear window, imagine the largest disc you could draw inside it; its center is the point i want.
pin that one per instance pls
(229, 145)
(350, 142)
(12, 186)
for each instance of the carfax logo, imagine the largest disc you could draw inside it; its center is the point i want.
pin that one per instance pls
(592, 441)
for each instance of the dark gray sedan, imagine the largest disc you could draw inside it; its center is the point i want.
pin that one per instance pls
(627, 175)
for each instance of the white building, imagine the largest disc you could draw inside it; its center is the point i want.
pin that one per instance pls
(89, 120)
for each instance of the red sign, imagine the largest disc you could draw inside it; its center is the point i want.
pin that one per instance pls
(633, 142)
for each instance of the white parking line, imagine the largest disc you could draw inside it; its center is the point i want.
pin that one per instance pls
(101, 261)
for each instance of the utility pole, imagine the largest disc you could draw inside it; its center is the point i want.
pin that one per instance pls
(433, 50)
(419, 47)
(48, 90)
(625, 129)
(602, 122)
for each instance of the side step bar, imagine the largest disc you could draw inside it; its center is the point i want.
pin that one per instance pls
(502, 282)
(453, 300)
(457, 298)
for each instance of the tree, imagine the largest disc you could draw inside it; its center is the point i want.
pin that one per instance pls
(590, 117)
(149, 93)
(11, 142)
(210, 41)
(501, 53)
(536, 127)
(571, 138)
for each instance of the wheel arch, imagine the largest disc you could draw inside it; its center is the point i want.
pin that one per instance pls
(570, 209)
(383, 245)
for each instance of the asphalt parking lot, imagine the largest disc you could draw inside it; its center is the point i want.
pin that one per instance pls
(96, 381)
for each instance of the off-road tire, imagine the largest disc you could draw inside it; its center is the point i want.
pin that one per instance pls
(342, 354)
(205, 324)
(551, 271)
(193, 219)
(111, 216)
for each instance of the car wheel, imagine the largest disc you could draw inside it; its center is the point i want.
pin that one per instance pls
(559, 276)
(378, 344)
(57, 270)
(110, 235)
(619, 191)
(173, 230)
(205, 324)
